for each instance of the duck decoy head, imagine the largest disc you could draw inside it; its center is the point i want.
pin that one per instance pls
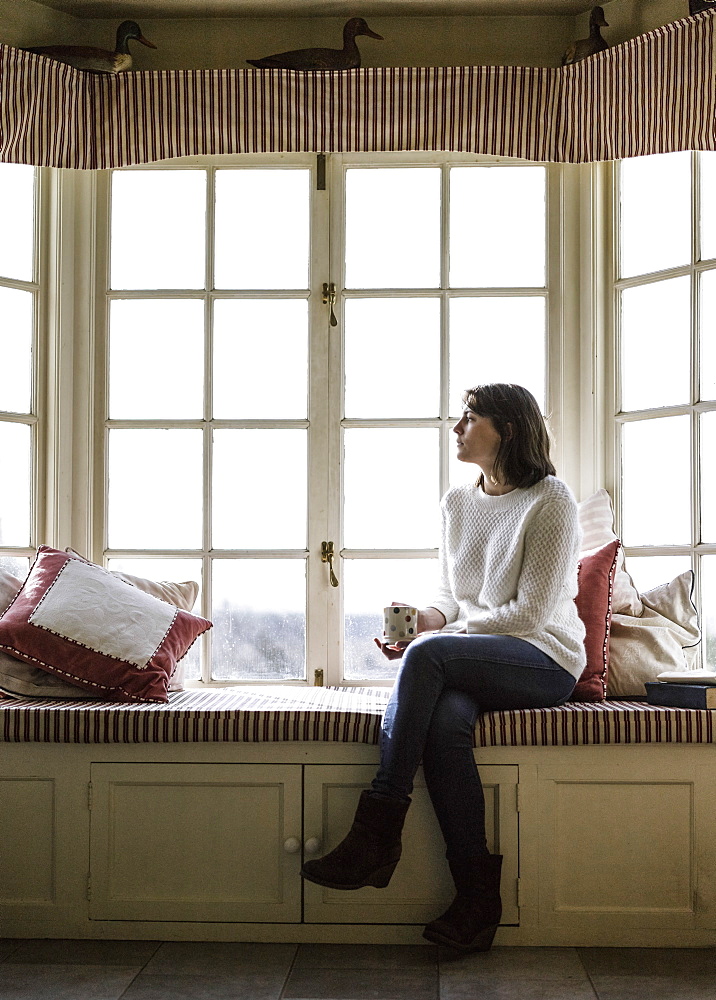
(597, 18)
(130, 30)
(357, 26)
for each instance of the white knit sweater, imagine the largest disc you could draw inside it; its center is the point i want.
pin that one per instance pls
(509, 567)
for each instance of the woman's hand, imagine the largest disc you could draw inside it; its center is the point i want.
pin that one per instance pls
(392, 650)
(429, 620)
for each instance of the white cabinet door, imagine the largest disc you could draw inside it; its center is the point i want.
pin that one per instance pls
(622, 845)
(217, 842)
(421, 887)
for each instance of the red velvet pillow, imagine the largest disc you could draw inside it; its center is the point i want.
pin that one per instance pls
(594, 605)
(86, 626)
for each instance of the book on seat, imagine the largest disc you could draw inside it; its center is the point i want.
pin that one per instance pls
(680, 695)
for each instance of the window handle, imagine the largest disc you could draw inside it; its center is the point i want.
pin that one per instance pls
(327, 556)
(329, 299)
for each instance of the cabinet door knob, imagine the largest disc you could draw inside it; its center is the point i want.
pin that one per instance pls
(312, 845)
(292, 845)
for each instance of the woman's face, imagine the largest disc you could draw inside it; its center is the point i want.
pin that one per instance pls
(477, 440)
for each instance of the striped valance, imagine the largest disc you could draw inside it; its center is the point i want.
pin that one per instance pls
(334, 715)
(652, 94)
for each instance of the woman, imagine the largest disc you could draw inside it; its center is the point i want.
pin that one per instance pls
(502, 633)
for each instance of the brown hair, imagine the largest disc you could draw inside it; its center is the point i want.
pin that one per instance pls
(523, 456)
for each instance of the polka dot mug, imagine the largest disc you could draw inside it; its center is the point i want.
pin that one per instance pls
(400, 622)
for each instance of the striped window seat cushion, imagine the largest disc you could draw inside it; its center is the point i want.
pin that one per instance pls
(332, 715)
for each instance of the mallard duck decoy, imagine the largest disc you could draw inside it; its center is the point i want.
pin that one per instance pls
(98, 60)
(346, 58)
(588, 46)
(696, 6)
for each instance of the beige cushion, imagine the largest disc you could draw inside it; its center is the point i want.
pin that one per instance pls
(665, 636)
(596, 519)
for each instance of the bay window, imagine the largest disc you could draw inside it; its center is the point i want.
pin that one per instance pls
(269, 360)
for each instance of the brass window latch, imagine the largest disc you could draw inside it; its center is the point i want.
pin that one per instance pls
(327, 556)
(329, 299)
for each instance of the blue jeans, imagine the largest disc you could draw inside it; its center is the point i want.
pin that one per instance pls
(442, 684)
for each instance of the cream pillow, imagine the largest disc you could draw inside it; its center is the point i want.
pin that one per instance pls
(665, 636)
(596, 519)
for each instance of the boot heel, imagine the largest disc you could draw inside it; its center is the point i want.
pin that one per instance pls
(380, 878)
(483, 940)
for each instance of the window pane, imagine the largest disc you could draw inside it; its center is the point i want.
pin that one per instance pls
(260, 487)
(17, 211)
(655, 344)
(176, 571)
(15, 349)
(168, 336)
(369, 585)
(158, 224)
(261, 358)
(652, 513)
(393, 228)
(392, 358)
(16, 566)
(655, 213)
(497, 340)
(497, 227)
(708, 205)
(651, 571)
(708, 477)
(259, 615)
(391, 488)
(155, 489)
(707, 359)
(262, 228)
(708, 614)
(15, 503)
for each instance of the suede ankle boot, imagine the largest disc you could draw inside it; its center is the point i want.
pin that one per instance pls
(471, 920)
(369, 852)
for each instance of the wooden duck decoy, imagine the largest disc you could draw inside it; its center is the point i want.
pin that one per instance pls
(588, 46)
(346, 58)
(98, 60)
(696, 6)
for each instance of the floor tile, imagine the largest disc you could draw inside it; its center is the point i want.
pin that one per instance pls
(522, 963)
(702, 987)
(218, 958)
(516, 989)
(648, 961)
(8, 946)
(241, 986)
(59, 952)
(364, 956)
(362, 984)
(64, 982)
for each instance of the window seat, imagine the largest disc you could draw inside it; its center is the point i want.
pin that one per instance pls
(333, 715)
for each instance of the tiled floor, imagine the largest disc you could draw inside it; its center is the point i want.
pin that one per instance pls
(148, 970)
